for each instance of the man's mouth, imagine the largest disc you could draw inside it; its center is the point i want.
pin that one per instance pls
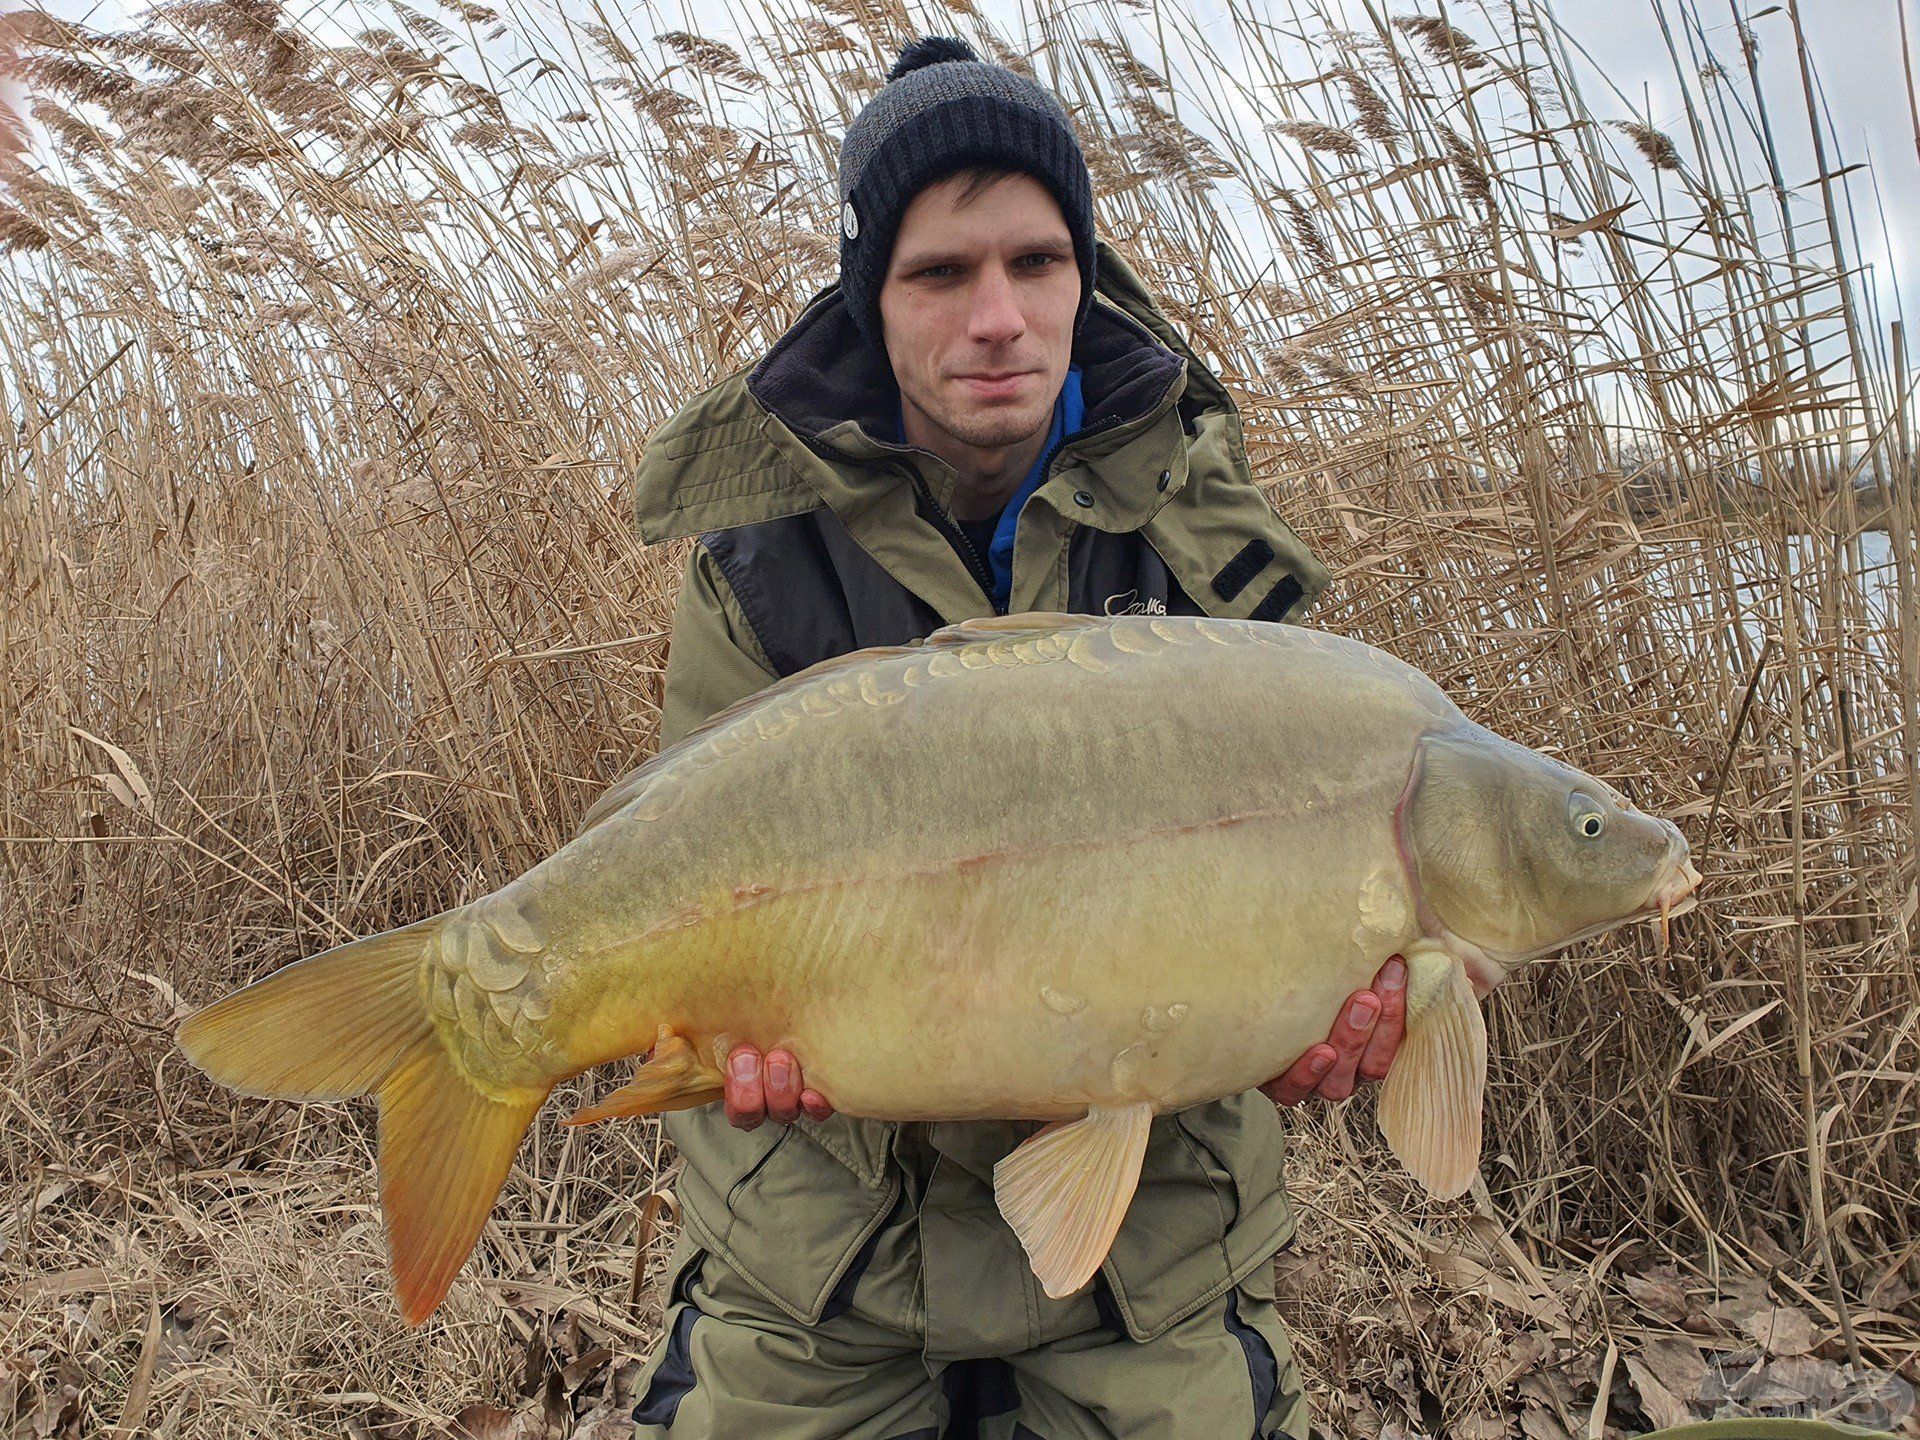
(1003, 382)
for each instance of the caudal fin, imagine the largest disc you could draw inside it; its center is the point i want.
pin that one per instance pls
(444, 1153)
(352, 1021)
(329, 1027)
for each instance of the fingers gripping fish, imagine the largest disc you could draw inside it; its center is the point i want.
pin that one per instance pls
(1074, 869)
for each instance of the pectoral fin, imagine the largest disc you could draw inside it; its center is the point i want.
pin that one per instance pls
(1066, 1190)
(1430, 1104)
(678, 1077)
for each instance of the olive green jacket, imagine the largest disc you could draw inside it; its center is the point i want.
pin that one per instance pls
(755, 468)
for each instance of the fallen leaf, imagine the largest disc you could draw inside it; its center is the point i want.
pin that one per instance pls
(1548, 1411)
(606, 1423)
(583, 1368)
(1892, 1292)
(56, 1415)
(1538, 1423)
(1780, 1331)
(1738, 1298)
(133, 1414)
(1658, 1295)
(1659, 1404)
(625, 1382)
(482, 1422)
(1480, 1427)
(1298, 1276)
(1749, 1383)
(1524, 1352)
(1676, 1363)
(78, 1281)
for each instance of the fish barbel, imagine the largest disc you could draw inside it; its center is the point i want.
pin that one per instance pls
(1067, 868)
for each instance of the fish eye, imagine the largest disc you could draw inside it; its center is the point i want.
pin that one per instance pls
(1589, 820)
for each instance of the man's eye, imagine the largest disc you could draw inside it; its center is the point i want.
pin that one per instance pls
(1040, 255)
(928, 272)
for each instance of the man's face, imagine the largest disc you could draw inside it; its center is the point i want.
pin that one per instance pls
(985, 290)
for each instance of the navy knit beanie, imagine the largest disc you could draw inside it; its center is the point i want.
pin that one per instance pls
(944, 108)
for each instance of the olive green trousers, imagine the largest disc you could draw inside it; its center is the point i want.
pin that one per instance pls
(930, 1328)
(732, 1365)
(912, 1344)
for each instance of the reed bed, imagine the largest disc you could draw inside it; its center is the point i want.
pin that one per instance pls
(330, 341)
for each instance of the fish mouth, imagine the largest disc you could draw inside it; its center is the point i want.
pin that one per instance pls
(1675, 891)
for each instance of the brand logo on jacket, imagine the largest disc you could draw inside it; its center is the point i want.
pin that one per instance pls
(1148, 606)
(849, 222)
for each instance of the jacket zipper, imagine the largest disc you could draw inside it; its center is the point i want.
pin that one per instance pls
(982, 572)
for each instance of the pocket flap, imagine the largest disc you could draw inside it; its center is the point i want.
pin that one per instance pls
(792, 1216)
(1211, 1209)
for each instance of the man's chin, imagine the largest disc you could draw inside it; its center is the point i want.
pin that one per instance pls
(989, 428)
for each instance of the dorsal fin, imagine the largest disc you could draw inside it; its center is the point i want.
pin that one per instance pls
(1029, 622)
(962, 632)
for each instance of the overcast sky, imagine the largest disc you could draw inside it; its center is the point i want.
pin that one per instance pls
(1855, 48)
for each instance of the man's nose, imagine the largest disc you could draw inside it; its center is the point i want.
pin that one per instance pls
(996, 314)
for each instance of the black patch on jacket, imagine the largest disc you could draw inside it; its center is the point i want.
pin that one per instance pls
(674, 1378)
(1279, 600)
(841, 1300)
(810, 592)
(1235, 574)
(1263, 1367)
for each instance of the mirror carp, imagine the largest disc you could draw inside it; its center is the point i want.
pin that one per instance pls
(1072, 869)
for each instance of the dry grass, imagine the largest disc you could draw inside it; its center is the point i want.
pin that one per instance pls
(329, 348)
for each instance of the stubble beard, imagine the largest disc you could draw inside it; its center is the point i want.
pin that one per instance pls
(993, 429)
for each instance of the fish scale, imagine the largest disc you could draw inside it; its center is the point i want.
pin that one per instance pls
(1081, 869)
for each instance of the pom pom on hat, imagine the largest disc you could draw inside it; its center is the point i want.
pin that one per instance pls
(930, 50)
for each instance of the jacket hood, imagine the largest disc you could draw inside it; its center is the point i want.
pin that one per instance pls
(811, 421)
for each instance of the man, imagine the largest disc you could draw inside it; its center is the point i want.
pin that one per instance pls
(961, 426)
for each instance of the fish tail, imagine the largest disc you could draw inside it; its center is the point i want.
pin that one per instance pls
(328, 1027)
(444, 1152)
(353, 1020)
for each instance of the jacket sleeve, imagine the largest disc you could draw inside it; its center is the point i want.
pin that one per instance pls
(713, 658)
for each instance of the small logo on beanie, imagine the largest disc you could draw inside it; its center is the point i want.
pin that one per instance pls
(849, 222)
